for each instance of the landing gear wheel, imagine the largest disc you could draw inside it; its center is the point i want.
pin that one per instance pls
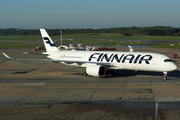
(85, 74)
(113, 72)
(110, 72)
(165, 76)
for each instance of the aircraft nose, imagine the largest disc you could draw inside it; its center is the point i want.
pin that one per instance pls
(173, 67)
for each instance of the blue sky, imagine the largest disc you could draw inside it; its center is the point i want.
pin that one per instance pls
(34, 14)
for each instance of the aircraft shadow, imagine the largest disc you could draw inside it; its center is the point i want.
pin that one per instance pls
(130, 73)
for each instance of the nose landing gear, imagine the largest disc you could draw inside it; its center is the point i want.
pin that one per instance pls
(165, 76)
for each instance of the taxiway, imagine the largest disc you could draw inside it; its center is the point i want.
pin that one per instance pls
(43, 90)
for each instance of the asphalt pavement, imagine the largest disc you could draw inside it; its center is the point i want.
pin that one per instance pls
(43, 90)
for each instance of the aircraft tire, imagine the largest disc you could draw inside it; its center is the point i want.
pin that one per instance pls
(85, 74)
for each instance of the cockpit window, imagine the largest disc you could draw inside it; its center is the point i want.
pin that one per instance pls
(168, 60)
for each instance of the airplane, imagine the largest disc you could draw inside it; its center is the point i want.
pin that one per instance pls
(98, 62)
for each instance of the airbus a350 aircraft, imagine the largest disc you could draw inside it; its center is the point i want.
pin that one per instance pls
(97, 62)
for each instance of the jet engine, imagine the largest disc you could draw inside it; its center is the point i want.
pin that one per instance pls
(96, 70)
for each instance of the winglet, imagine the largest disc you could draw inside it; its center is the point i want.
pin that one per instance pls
(6, 56)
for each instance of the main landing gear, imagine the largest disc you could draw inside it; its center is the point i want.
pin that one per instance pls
(165, 76)
(85, 74)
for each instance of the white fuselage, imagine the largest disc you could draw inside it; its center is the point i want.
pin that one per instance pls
(117, 60)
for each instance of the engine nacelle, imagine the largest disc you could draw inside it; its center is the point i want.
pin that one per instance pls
(95, 70)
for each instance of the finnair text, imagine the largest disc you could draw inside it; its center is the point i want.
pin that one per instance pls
(131, 58)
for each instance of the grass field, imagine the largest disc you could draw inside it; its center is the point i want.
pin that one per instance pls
(98, 36)
(167, 45)
(21, 46)
(107, 39)
(119, 36)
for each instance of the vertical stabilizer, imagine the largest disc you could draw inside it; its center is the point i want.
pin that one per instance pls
(48, 43)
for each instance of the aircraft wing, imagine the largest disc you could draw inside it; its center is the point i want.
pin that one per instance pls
(56, 61)
(25, 59)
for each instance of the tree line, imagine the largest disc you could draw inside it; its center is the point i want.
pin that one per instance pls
(129, 31)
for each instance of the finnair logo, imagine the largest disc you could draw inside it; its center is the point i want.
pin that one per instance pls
(131, 58)
(48, 41)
